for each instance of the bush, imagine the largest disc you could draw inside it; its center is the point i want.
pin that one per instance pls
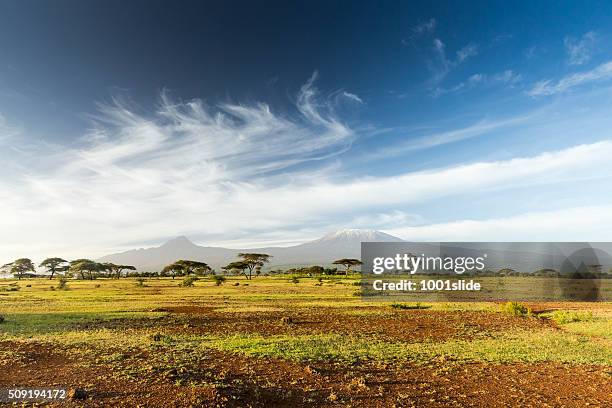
(516, 309)
(294, 280)
(566, 316)
(219, 279)
(140, 282)
(62, 283)
(188, 281)
(1, 319)
(403, 306)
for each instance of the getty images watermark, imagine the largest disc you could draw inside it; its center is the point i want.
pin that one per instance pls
(486, 271)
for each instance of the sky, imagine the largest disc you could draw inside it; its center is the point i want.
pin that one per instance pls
(239, 124)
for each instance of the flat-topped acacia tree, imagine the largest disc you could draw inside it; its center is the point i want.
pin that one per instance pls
(348, 263)
(186, 267)
(253, 260)
(86, 267)
(240, 266)
(54, 265)
(20, 267)
(117, 270)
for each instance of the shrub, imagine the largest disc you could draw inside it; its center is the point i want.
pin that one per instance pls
(160, 337)
(28, 286)
(516, 309)
(403, 306)
(566, 316)
(1, 319)
(188, 281)
(62, 283)
(219, 279)
(294, 280)
(140, 282)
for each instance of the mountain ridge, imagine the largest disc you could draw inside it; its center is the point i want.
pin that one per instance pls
(338, 244)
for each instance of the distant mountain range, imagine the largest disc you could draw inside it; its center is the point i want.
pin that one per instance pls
(339, 244)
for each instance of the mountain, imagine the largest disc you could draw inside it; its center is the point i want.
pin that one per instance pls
(339, 244)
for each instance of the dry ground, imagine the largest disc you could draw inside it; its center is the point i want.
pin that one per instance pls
(165, 346)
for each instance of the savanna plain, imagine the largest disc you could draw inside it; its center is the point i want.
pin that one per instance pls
(295, 341)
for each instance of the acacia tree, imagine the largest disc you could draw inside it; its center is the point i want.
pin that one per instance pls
(20, 267)
(348, 263)
(236, 266)
(54, 265)
(186, 267)
(173, 269)
(252, 261)
(117, 270)
(86, 266)
(195, 267)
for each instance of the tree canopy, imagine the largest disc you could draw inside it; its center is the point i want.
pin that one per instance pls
(86, 267)
(236, 266)
(53, 265)
(186, 267)
(20, 267)
(253, 261)
(348, 263)
(116, 270)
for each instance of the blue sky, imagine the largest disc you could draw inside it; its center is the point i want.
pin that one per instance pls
(123, 125)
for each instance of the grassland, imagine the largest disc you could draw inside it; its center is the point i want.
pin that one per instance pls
(273, 342)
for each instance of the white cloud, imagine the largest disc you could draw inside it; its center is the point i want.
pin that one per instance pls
(385, 220)
(482, 127)
(352, 97)
(507, 77)
(440, 65)
(579, 51)
(425, 27)
(466, 52)
(576, 224)
(232, 171)
(549, 87)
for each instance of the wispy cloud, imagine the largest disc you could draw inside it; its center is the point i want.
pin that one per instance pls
(90, 196)
(352, 96)
(440, 65)
(580, 51)
(602, 72)
(422, 28)
(466, 52)
(508, 78)
(425, 27)
(585, 223)
(438, 138)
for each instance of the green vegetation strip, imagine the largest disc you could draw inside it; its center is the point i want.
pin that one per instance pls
(519, 346)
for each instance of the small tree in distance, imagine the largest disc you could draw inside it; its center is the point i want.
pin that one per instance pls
(85, 267)
(186, 267)
(117, 270)
(20, 267)
(239, 266)
(348, 263)
(54, 265)
(253, 261)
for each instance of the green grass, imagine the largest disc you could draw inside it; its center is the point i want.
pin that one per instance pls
(56, 317)
(509, 347)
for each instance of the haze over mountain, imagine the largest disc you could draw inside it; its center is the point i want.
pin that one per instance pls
(340, 244)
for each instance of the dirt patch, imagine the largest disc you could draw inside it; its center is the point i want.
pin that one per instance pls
(229, 380)
(409, 325)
